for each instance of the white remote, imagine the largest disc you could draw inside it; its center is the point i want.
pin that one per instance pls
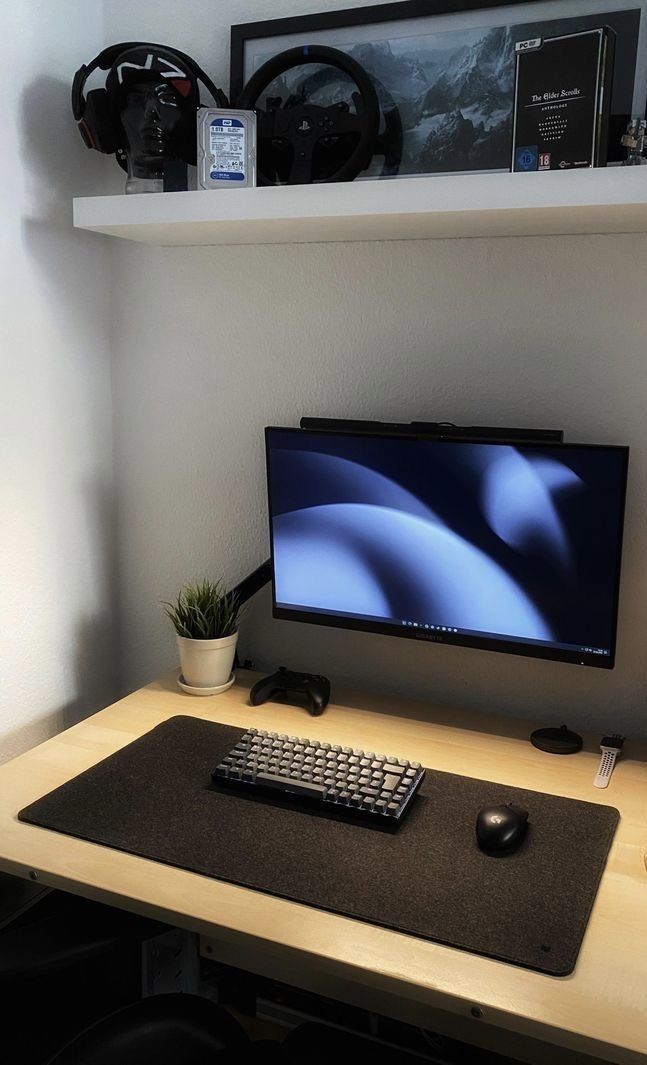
(610, 747)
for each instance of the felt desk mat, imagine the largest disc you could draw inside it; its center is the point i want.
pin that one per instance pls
(429, 879)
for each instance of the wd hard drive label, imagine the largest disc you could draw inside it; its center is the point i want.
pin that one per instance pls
(228, 149)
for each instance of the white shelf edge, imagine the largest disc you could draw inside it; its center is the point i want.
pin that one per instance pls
(612, 200)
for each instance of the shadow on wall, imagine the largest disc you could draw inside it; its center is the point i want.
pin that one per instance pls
(94, 670)
(71, 274)
(53, 152)
(92, 666)
(73, 263)
(95, 646)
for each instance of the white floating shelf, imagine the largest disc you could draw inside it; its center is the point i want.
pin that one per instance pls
(612, 200)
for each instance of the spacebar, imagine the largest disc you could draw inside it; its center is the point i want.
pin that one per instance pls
(296, 787)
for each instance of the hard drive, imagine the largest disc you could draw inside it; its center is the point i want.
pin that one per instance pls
(226, 148)
(562, 101)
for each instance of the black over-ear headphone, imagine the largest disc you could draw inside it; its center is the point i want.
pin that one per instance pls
(95, 115)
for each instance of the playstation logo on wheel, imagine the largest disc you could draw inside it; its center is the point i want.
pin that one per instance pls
(305, 126)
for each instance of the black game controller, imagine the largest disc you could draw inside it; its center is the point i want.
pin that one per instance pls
(287, 682)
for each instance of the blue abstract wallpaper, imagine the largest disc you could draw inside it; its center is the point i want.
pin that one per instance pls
(508, 542)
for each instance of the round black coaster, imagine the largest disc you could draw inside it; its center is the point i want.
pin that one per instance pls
(556, 740)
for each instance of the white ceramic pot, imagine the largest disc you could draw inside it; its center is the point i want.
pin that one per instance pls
(207, 663)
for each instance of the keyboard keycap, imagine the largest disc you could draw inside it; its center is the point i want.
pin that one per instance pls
(295, 787)
(390, 782)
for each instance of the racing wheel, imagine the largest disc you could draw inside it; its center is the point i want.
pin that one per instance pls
(293, 141)
(389, 143)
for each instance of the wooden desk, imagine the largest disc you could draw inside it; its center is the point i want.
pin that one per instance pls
(600, 1010)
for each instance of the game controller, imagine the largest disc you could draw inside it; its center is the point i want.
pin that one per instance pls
(287, 682)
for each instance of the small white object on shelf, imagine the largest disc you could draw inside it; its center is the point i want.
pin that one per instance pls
(607, 200)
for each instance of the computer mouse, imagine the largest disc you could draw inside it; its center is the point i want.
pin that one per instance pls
(501, 829)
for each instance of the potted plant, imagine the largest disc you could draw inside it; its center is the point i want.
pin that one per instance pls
(205, 618)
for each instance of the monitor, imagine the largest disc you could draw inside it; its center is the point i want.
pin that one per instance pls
(507, 547)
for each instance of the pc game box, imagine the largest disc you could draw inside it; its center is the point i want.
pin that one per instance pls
(562, 97)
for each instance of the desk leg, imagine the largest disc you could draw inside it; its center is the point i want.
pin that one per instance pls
(171, 963)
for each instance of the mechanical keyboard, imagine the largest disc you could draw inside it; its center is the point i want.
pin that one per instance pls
(357, 785)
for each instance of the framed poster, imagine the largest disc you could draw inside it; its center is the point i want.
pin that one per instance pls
(445, 71)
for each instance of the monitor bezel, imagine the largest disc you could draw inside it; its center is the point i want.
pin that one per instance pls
(482, 643)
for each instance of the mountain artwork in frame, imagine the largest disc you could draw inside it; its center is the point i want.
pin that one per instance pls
(444, 72)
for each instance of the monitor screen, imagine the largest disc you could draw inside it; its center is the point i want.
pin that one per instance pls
(507, 547)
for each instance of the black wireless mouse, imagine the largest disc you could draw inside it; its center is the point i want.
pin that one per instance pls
(501, 829)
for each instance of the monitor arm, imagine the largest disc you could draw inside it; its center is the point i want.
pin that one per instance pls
(253, 582)
(249, 586)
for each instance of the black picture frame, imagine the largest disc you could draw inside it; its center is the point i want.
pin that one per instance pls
(350, 16)
(244, 33)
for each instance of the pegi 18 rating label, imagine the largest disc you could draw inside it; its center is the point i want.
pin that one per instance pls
(226, 148)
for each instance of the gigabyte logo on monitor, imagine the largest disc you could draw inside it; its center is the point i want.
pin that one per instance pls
(422, 634)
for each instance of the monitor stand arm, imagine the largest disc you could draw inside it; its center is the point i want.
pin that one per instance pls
(253, 582)
(250, 585)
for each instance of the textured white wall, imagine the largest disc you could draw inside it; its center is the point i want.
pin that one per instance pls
(541, 331)
(523, 331)
(56, 533)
